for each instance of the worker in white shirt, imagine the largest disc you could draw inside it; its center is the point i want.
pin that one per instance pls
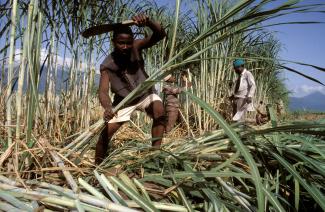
(244, 90)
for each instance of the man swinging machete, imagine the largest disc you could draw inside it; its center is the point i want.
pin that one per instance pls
(122, 71)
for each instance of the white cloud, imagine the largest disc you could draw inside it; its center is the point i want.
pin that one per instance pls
(60, 60)
(305, 90)
(17, 55)
(67, 61)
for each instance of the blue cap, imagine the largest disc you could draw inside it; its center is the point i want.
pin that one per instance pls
(238, 62)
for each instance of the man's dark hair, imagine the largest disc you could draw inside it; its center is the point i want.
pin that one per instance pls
(122, 30)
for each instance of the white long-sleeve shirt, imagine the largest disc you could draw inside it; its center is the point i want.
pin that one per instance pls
(247, 85)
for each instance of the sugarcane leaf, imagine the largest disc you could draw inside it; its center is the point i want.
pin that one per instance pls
(180, 191)
(301, 74)
(15, 202)
(157, 179)
(91, 189)
(113, 192)
(275, 202)
(297, 194)
(241, 147)
(145, 205)
(204, 174)
(127, 181)
(315, 164)
(312, 190)
(142, 188)
(208, 192)
(286, 128)
(109, 192)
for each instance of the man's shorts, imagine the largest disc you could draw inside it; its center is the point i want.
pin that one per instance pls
(125, 114)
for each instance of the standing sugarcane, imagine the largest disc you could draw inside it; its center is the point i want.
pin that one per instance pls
(10, 70)
(122, 71)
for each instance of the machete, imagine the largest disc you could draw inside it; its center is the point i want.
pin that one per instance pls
(100, 29)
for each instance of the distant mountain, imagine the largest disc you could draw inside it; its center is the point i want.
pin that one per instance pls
(312, 102)
(61, 78)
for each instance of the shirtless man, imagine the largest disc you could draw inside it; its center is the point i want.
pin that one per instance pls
(122, 71)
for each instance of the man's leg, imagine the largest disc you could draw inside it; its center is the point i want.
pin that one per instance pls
(172, 117)
(258, 119)
(103, 141)
(234, 107)
(157, 113)
(240, 102)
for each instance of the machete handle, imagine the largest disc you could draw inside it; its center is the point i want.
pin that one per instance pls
(128, 22)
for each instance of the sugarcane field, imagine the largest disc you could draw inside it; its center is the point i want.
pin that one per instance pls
(162, 105)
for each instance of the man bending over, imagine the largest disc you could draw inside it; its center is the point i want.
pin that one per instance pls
(122, 71)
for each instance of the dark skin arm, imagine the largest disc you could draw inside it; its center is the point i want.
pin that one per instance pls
(158, 33)
(104, 99)
(186, 81)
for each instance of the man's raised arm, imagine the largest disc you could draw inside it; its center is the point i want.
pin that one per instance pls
(158, 33)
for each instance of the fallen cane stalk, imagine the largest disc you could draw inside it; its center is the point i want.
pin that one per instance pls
(66, 173)
(15, 202)
(111, 194)
(6, 154)
(83, 137)
(92, 190)
(86, 198)
(240, 199)
(7, 207)
(60, 163)
(92, 204)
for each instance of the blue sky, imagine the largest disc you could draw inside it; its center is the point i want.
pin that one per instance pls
(303, 43)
